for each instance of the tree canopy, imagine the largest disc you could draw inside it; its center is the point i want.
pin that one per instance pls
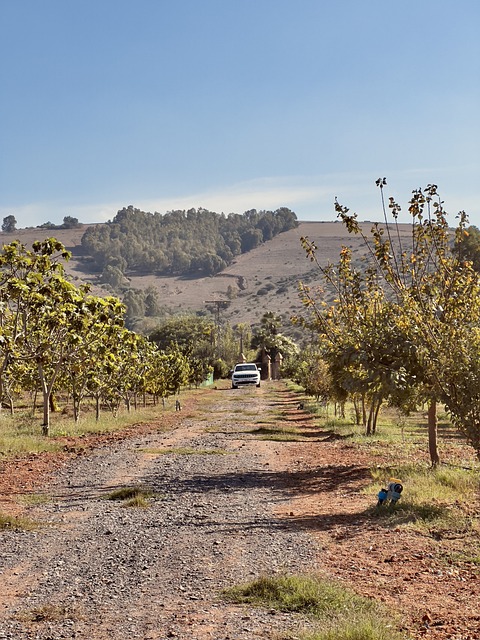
(409, 322)
(55, 336)
(9, 224)
(196, 241)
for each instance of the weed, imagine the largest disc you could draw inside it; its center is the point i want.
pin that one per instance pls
(32, 499)
(140, 501)
(340, 613)
(434, 500)
(188, 451)
(16, 524)
(277, 434)
(49, 613)
(355, 629)
(301, 594)
(125, 493)
(132, 496)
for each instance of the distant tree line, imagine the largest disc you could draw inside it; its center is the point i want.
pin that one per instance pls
(69, 222)
(196, 241)
(9, 224)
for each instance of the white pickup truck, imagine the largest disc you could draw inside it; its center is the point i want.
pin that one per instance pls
(245, 373)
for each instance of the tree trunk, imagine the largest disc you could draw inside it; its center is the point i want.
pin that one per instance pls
(46, 413)
(76, 407)
(356, 407)
(53, 403)
(46, 401)
(370, 419)
(432, 433)
(47, 388)
(97, 407)
(375, 415)
(34, 406)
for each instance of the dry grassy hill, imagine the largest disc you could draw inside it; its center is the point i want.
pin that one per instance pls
(265, 279)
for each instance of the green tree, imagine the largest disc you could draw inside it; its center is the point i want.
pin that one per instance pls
(38, 309)
(70, 223)
(152, 302)
(100, 328)
(313, 374)
(467, 247)
(9, 224)
(435, 298)
(190, 333)
(113, 276)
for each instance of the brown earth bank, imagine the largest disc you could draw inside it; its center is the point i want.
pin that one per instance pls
(227, 507)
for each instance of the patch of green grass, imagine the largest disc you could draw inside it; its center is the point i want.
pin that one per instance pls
(277, 434)
(132, 496)
(340, 613)
(436, 500)
(140, 501)
(470, 556)
(356, 629)
(33, 499)
(189, 451)
(22, 433)
(442, 484)
(13, 523)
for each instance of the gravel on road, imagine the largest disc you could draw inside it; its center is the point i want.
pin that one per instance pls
(99, 569)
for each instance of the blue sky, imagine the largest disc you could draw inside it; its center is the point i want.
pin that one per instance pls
(236, 104)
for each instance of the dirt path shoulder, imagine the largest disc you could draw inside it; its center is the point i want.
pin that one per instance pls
(226, 507)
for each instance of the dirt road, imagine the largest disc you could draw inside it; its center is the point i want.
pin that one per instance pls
(225, 508)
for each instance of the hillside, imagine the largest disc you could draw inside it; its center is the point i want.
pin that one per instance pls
(264, 279)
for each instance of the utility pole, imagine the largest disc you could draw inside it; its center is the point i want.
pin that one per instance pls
(218, 304)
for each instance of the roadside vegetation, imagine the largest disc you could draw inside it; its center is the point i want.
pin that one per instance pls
(14, 523)
(20, 434)
(336, 612)
(439, 501)
(403, 329)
